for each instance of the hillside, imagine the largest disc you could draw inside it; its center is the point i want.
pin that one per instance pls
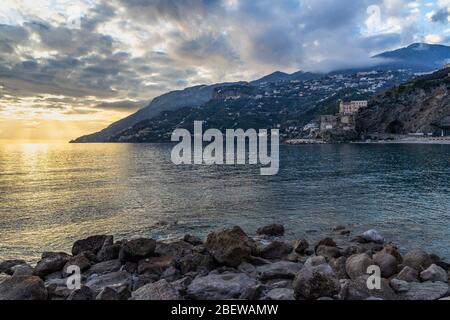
(418, 106)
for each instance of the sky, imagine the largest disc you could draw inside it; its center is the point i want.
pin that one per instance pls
(71, 67)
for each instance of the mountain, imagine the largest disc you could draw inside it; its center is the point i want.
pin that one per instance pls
(311, 100)
(421, 56)
(418, 106)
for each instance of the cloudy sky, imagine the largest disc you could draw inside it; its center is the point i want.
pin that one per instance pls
(70, 67)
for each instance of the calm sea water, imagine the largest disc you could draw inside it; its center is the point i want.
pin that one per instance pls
(51, 195)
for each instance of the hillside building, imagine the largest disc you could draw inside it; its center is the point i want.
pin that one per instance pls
(352, 107)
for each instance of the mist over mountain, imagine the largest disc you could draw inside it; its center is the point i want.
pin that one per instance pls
(419, 57)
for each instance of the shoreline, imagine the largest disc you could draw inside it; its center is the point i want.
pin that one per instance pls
(229, 264)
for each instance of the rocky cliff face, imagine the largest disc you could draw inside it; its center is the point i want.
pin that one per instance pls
(419, 106)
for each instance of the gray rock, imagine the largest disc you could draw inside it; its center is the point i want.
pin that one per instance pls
(408, 274)
(23, 288)
(387, 263)
(273, 230)
(278, 270)
(137, 249)
(6, 266)
(105, 267)
(229, 285)
(275, 250)
(315, 261)
(120, 281)
(373, 236)
(82, 294)
(92, 244)
(393, 251)
(171, 274)
(328, 252)
(230, 246)
(357, 289)
(279, 294)
(195, 241)
(80, 261)
(426, 291)
(176, 249)
(155, 265)
(22, 270)
(312, 283)
(50, 262)
(433, 274)
(400, 285)
(108, 294)
(195, 262)
(338, 266)
(161, 290)
(300, 246)
(417, 259)
(357, 265)
(109, 252)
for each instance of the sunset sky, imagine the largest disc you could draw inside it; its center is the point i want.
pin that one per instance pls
(69, 68)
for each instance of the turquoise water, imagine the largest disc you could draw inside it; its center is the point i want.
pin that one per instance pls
(51, 195)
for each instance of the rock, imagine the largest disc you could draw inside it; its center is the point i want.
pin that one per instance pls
(279, 294)
(278, 270)
(357, 289)
(155, 265)
(257, 261)
(426, 291)
(300, 246)
(108, 294)
(229, 285)
(23, 288)
(433, 274)
(195, 262)
(50, 262)
(357, 265)
(92, 244)
(443, 265)
(82, 294)
(105, 267)
(408, 274)
(181, 285)
(278, 284)
(80, 261)
(338, 266)
(137, 249)
(393, 251)
(328, 252)
(230, 246)
(161, 290)
(275, 250)
(315, 261)
(328, 242)
(121, 281)
(400, 286)
(312, 283)
(171, 274)
(373, 236)
(417, 259)
(109, 252)
(175, 249)
(387, 263)
(247, 268)
(195, 241)
(22, 270)
(340, 230)
(56, 292)
(273, 230)
(6, 266)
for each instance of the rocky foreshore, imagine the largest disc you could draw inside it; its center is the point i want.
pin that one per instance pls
(230, 265)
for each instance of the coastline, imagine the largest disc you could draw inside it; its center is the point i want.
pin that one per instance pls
(229, 264)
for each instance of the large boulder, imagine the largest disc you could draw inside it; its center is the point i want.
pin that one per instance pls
(408, 274)
(393, 251)
(6, 266)
(121, 281)
(357, 265)
(358, 289)
(23, 288)
(278, 270)
(195, 262)
(312, 283)
(279, 294)
(373, 236)
(92, 244)
(230, 246)
(137, 249)
(155, 265)
(50, 263)
(225, 286)
(80, 261)
(275, 250)
(161, 290)
(300, 246)
(338, 266)
(108, 294)
(109, 252)
(105, 267)
(433, 274)
(328, 252)
(82, 294)
(387, 263)
(426, 291)
(417, 259)
(273, 230)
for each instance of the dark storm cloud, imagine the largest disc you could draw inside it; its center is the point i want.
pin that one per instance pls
(441, 16)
